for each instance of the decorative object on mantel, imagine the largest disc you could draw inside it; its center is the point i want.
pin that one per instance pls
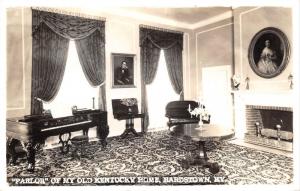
(247, 83)
(290, 78)
(236, 81)
(269, 52)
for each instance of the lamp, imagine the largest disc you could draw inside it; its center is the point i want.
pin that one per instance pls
(290, 78)
(247, 83)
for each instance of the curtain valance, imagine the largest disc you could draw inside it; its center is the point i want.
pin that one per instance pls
(161, 39)
(71, 27)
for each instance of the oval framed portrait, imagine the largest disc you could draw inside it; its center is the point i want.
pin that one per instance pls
(269, 52)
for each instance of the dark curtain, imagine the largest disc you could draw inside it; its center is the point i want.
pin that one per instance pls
(152, 42)
(91, 51)
(149, 62)
(89, 36)
(48, 65)
(174, 65)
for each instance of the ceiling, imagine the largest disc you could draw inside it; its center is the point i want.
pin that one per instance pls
(183, 15)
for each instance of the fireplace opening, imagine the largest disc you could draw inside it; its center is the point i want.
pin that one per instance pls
(272, 118)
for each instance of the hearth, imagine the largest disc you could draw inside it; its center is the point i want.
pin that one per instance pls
(269, 126)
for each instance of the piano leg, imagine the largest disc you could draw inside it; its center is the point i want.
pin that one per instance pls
(103, 131)
(30, 147)
(11, 155)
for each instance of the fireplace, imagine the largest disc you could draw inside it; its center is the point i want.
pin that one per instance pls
(264, 118)
(269, 126)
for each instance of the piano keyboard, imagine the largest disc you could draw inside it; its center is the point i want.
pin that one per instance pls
(72, 124)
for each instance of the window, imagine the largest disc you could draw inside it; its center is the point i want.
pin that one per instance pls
(160, 92)
(74, 90)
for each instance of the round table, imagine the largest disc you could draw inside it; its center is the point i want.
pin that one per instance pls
(202, 134)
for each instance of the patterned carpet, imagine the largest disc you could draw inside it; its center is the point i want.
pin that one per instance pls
(153, 156)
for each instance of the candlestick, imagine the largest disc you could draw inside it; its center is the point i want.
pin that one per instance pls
(93, 103)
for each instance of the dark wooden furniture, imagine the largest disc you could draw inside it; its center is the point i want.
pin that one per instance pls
(201, 134)
(100, 118)
(33, 131)
(79, 142)
(128, 113)
(177, 112)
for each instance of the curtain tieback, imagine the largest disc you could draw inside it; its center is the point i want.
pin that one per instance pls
(102, 84)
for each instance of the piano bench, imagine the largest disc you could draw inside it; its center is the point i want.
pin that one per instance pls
(79, 143)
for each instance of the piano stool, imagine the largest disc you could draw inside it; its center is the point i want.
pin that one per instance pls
(79, 143)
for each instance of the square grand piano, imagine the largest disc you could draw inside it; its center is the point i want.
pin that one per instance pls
(32, 131)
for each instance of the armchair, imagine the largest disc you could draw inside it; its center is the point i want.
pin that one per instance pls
(177, 112)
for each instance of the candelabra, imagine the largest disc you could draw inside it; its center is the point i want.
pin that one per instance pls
(199, 112)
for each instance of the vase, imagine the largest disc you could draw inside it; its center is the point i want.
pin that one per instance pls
(129, 110)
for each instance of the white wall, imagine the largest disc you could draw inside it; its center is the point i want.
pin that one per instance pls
(18, 86)
(214, 47)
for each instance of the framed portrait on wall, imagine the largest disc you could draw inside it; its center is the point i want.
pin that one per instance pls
(269, 52)
(122, 70)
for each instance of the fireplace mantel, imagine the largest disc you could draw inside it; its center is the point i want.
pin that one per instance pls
(278, 98)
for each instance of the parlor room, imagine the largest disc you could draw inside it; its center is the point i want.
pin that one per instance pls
(150, 96)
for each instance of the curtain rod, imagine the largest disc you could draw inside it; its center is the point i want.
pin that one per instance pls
(160, 29)
(60, 11)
